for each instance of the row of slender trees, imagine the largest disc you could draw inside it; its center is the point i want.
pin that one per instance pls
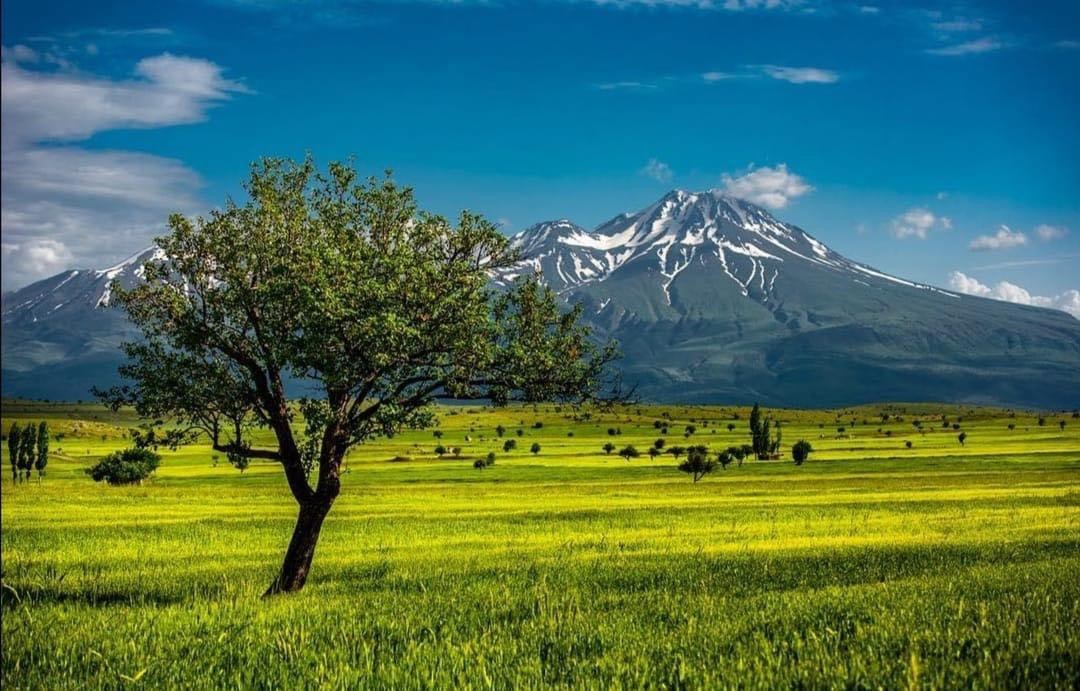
(28, 449)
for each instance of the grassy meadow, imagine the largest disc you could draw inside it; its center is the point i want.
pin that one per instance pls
(872, 565)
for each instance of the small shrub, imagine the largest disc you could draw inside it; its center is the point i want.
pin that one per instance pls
(800, 451)
(127, 467)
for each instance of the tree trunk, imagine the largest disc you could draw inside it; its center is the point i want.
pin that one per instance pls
(297, 564)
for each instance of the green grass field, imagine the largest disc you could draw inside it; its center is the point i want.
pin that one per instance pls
(872, 565)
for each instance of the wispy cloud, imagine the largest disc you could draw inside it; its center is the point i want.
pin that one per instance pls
(1067, 44)
(1047, 233)
(801, 75)
(626, 86)
(1004, 238)
(986, 44)
(1068, 301)
(772, 187)
(66, 204)
(657, 170)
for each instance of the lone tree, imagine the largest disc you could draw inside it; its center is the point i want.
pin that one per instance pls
(535, 448)
(42, 458)
(609, 447)
(629, 452)
(347, 288)
(962, 437)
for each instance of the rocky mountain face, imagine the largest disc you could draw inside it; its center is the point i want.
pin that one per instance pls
(712, 300)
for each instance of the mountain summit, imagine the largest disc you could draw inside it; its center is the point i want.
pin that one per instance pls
(711, 298)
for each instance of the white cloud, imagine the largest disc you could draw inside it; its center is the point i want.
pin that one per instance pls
(801, 75)
(917, 223)
(771, 187)
(942, 195)
(716, 76)
(658, 170)
(958, 24)
(1003, 239)
(1067, 44)
(68, 106)
(65, 205)
(1048, 232)
(869, 9)
(979, 45)
(1068, 301)
(625, 86)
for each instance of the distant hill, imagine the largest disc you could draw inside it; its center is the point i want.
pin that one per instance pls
(712, 300)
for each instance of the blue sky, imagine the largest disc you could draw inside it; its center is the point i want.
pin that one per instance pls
(924, 140)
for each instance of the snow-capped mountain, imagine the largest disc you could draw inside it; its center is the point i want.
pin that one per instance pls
(711, 299)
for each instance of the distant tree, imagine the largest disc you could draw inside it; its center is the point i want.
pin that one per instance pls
(612, 431)
(500, 430)
(538, 424)
(907, 444)
(629, 452)
(42, 458)
(747, 451)
(659, 443)
(800, 451)
(724, 458)
(239, 461)
(955, 426)
(456, 451)
(440, 450)
(520, 432)
(14, 444)
(535, 448)
(690, 429)
(1061, 424)
(731, 427)
(1012, 426)
(654, 452)
(760, 433)
(609, 447)
(490, 458)
(485, 462)
(27, 450)
(697, 464)
(438, 434)
(130, 466)
(657, 424)
(1042, 421)
(962, 437)
(509, 445)
(676, 451)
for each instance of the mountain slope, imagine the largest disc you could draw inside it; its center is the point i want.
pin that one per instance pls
(711, 299)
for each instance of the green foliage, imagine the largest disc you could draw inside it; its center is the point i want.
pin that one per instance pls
(130, 466)
(698, 464)
(629, 451)
(535, 448)
(28, 450)
(509, 445)
(41, 459)
(14, 444)
(800, 451)
(609, 447)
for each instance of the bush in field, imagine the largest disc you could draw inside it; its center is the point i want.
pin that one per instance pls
(907, 444)
(130, 466)
(609, 447)
(725, 458)
(697, 464)
(731, 427)
(676, 451)
(659, 443)
(440, 450)
(509, 445)
(800, 451)
(1061, 424)
(535, 448)
(654, 452)
(500, 430)
(962, 437)
(629, 451)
